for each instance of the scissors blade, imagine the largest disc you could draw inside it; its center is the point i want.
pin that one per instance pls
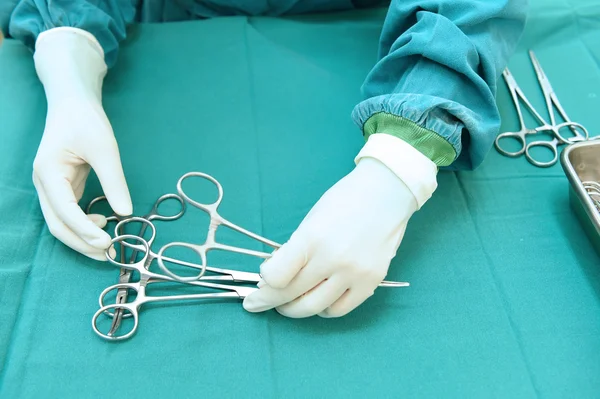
(122, 294)
(235, 276)
(117, 319)
(124, 277)
(548, 90)
(239, 290)
(394, 284)
(517, 94)
(509, 79)
(541, 75)
(248, 277)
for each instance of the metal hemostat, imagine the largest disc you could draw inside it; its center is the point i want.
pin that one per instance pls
(231, 284)
(555, 129)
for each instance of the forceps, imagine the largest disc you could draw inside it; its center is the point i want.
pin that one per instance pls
(147, 278)
(210, 243)
(579, 131)
(125, 274)
(154, 213)
(127, 269)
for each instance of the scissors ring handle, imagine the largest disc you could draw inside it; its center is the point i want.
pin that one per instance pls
(127, 286)
(88, 208)
(144, 248)
(519, 136)
(175, 276)
(581, 133)
(127, 309)
(133, 219)
(205, 207)
(551, 145)
(156, 215)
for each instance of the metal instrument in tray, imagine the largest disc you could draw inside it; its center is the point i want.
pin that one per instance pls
(581, 163)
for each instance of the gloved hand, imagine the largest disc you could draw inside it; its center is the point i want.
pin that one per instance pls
(342, 249)
(77, 136)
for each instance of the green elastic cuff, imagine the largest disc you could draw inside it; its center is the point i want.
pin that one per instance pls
(428, 142)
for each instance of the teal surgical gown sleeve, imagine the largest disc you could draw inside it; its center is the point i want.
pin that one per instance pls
(105, 19)
(434, 84)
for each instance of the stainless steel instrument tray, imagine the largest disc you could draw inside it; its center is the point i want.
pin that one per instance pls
(581, 162)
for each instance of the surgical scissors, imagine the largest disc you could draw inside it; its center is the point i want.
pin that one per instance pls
(127, 271)
(147, 278)
(580, 132)
(210, 243)
(154, 214)
(552, 103)
(216, 220)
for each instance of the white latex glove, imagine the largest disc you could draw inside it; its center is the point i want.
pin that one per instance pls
(343, 248)
(77, 136)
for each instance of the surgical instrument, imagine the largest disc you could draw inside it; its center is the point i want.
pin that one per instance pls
(593, 190)
(147, 278)
(580, 133)
(217, 220)
(154, 214)
(124, 308)
(552, 103)
(139, 266)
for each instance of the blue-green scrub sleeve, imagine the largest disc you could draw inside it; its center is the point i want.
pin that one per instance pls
(434, 84)
(105, 19)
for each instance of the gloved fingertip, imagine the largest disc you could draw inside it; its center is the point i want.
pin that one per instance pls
(97, 219)
(119, 199)
(283, 266)
(325, 315)
(102, 241)
(113, 182)
(253, 304)
(280, 311)
(123, 208)
(249, 305)
(261, 283)
(112, 252)
(271, 273)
